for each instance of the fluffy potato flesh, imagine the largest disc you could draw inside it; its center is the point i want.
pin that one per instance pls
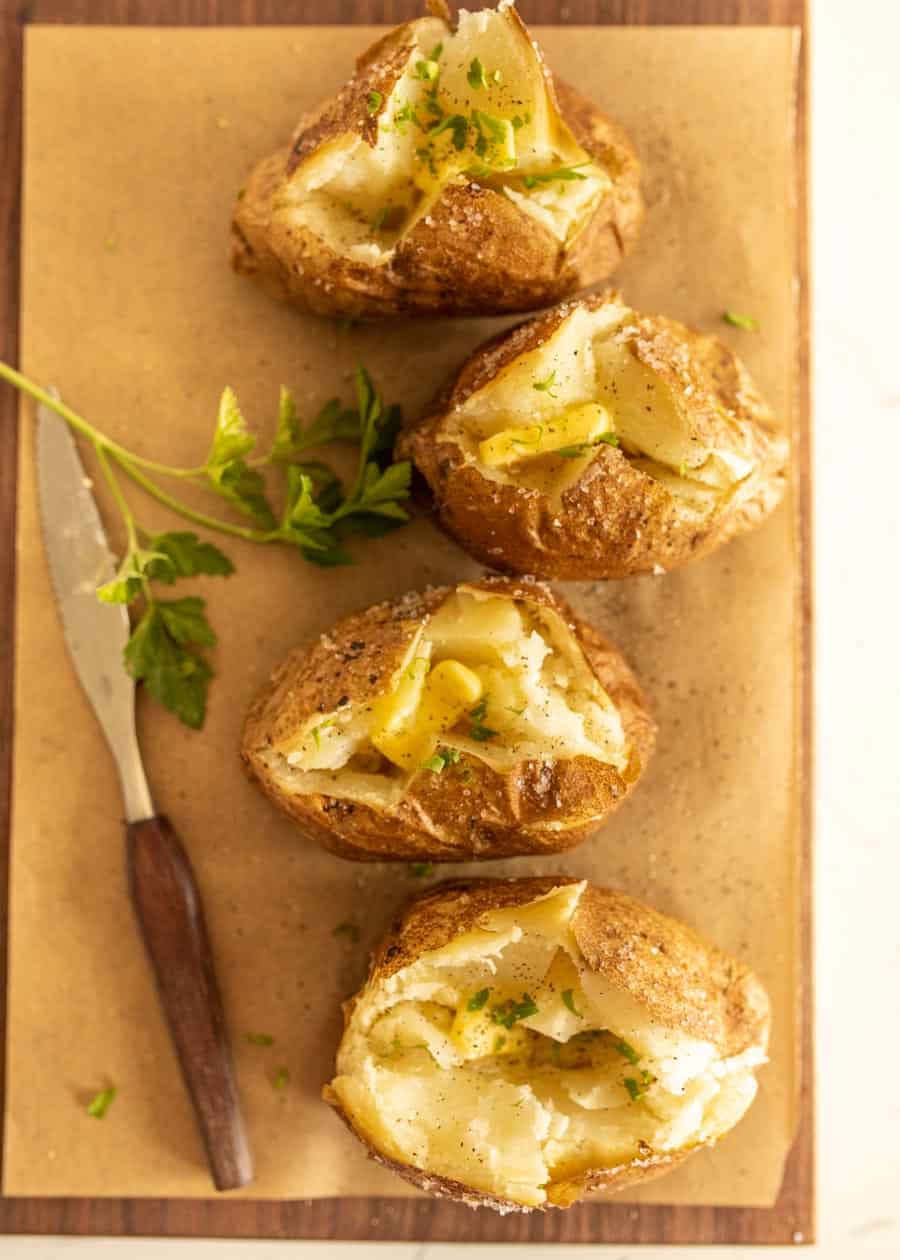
(541, 420)
(471, 105)
(490, 676)
(503, 1062)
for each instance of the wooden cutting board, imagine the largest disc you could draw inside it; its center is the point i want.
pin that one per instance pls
(791, 1219)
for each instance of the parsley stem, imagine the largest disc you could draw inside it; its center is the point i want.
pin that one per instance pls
(124, 460)
(82, 426)
(121, 502)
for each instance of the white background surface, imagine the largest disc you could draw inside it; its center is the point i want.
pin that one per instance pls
(856, 291)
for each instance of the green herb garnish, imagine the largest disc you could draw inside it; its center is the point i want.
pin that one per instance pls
(499, 1043)
(628, 1052)
(510, 1012)
(564, 173)
(569, 1000)
(435, 54)
(427, 70)
(348, 929)
(167, 647)
(260, 1039)
(546, 385)
(682, 468)
(456, 123)
(747, 322)
(478, 730)
(101, 1102)
(476, 76)
(373, 102)
(478, 1000)
(638, 1087)
(572, 452)
(442, 758)
(282, 1077)
(421, 870)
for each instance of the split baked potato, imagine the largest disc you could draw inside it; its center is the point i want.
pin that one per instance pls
(520, 1042)
(451, 175)
(596, 442)
(469, 722)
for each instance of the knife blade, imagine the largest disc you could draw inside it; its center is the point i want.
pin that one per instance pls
(80, 560)
(162, 884)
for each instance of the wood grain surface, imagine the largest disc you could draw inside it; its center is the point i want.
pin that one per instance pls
(792, 1217)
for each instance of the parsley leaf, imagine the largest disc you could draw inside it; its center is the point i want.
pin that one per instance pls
(373, 102)
(478, 730)
(546, 385)
(510, 1012)
(427, 70)
(282, 1078)
(260, 1039)
(100, 1103)
(572, 452)
(159, 654)
(137, 568)
(628, 1052)
(421, 870)
(227, 471)
(746, 322)
(478, 1000)
(442, 758)
(569, 1000)
(565, 173)
(476, 76)
(188, 556)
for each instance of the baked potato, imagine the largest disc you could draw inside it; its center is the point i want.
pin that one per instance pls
(596, 442)
(520, 1042)
(470, 722)
(451, 175)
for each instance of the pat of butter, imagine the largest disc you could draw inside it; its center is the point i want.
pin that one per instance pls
(408, 722)
(582, 424)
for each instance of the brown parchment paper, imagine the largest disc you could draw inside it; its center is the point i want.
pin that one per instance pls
(136, 141)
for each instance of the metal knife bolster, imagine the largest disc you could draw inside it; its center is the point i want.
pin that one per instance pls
(80, 561)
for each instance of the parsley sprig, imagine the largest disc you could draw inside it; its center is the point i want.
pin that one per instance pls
(167, 650)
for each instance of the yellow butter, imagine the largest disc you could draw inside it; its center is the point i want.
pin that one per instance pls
(572, 427)
(408, 722)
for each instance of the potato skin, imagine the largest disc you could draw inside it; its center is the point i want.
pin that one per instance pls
(504, 261)
(615, 521)
(684, 982)
(442, 818)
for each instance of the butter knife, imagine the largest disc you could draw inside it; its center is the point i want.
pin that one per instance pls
(163, 888)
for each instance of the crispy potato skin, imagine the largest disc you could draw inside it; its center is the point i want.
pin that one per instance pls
(615, 521)
(442, 818)
(683, 981)
(504, 261)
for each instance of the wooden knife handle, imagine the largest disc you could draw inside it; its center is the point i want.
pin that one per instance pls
(169, 910)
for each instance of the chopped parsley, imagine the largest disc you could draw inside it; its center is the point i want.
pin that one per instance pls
(260, 1039)
(478, 730)
(476, 76)
(100, 1103)
(510, 1012)
(456, 123)
(435, 54)
(546, 385)
(565, 173)
(569, 1000)
(373, 102)
(348, 929)
(747, 322)
(572, 452)
(282, 1077)
(428, 70)
(638, 1087)
(442, 758)
(628, 1052)
(499, 1043)
(478, 1000)
(421, 870)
